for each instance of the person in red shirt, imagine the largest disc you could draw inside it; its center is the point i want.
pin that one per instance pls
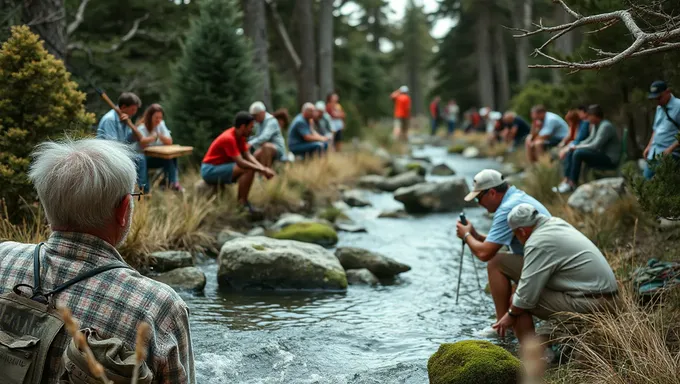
(402, 112)
(228, 159)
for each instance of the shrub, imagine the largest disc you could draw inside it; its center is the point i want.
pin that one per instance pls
(557, 98)
(38, 101)
(659, 195)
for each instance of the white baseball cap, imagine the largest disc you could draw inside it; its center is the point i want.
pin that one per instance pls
(403, 89)
(484, 180)
(320, 106)
(257, 107)
(523, 215)
(484, 111)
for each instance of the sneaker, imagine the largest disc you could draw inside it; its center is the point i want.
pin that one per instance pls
(177, 188)
(252, 210)
(562, 185)
(565, 188)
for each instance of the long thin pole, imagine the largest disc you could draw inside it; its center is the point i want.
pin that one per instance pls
(463, 221)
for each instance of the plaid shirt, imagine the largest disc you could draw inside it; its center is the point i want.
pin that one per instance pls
(113, 302)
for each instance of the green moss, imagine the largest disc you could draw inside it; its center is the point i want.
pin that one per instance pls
(259, 247)
(487, 289)
(315, 233)
(338, 278)
(332, 214)
(473, 362)
(457, 148)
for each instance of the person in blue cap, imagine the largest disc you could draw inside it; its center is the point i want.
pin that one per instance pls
(666, 125)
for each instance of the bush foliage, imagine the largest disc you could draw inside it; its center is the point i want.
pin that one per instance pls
(38, 101)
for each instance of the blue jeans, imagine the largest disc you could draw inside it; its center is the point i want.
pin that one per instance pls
(144, 163)
(451, 126)
(310, 148)
(435, 125)
(218, 174)
(594, 159)
(649, 172)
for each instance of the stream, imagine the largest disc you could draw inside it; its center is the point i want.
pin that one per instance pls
(368, 335)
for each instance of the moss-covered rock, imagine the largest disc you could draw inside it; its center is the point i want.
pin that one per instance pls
(457, 148)
(332, 214)
(473, 362)
(314, 233)
(418, 167)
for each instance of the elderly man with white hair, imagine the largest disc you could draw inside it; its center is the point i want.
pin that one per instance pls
(267, 144)
(302, 139)
(86, 188)
(561, 271)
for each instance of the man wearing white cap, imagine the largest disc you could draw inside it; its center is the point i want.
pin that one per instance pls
(402, 112)
(561, 271)
(268, 143)
(492, 192)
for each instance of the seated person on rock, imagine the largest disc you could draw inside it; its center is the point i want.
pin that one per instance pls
(553, 129)
(268, 144)
(601, 150)
(228, 159)
(514, 129)
(302, 140)
(492, 192)
(323, 122)
(561, 271)
(579, 130)
(157, 134)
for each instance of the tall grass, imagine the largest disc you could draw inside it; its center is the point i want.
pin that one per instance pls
(31, 230)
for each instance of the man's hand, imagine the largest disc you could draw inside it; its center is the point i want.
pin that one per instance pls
(268, 173)
(504, 324)
(668, 151)
(646, 152)
(461, 229)
(563, 152)
(124, 116)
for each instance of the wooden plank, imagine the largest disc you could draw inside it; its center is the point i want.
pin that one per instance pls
(168, 151)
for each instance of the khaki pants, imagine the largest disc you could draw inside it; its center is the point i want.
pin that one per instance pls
(401, 127)
(551, 302)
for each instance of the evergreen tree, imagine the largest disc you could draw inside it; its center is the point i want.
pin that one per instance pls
(38, 101)
(214, 78)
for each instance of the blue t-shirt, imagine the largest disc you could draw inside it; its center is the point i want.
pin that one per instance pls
(664, 130)
(111, 128)
(554, 126)
(500, 232)
(298, 129)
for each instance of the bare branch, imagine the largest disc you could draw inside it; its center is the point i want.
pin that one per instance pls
(567, 9)
(131, 33)
(80, 47)
(79, 18)
(281, 28)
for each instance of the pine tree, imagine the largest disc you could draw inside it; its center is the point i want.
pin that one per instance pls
(213, 80)
(38, 101)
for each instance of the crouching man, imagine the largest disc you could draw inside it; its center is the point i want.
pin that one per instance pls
(562, 271)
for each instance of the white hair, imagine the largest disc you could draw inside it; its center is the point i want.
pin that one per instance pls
(80, 183)
(257, 107)
(523, 216)
(307, 106)
(320, 105)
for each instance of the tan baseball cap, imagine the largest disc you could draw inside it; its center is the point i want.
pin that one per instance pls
(484, 180)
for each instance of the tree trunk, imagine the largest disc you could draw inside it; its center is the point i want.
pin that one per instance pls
(502, 75)
(483, 46)
(521, 13)
(326, 48)
(255, 27)
(47, 18)
(565, 44)
(307, 90)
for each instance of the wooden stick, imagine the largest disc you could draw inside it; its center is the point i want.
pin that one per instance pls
(119, 112)
(141, 348)
(79, 339)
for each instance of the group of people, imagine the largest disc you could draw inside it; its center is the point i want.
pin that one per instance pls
(439, 113)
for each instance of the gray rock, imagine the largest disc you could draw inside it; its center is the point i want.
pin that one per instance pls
(183, 279)
(379, 265)
(370, 181)
(597, 196)
(226, 235)
(293, 218)
(423, 159)
(257, 231)
(355, 198)
(396, 214)
(668, 225)
(404, 180)
(202, 188)
(402, 165)
(442, 170)
(361, 277)
(349, 226)
(265, 263)
(384, 156)
(434, 197)
(169, 260)
(471, 152)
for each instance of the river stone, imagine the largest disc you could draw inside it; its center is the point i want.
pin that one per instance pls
(355, 198)
(349, 226)
(293, 218)
(370, 181)
(264, 263)
(384, 156)
(473, 361)
(169, 260)
(434, 197)
(442, 170)
(396, 214)
(361, 277)
(316, 233)
(226, 235)
(379, 265)
(424, 159)
(597, 196)
(183, 279)
(404, 180)
(257, 231)
(471, 152)
(402, 165)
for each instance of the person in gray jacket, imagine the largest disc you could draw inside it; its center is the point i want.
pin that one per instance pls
(267, 144)
(601, 150)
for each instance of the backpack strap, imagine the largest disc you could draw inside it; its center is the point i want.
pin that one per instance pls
(669, 117)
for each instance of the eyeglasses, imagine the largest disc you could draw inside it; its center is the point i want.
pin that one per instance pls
(138, 195)
(480, 195)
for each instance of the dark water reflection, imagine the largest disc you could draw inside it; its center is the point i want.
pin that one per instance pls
(367, 335)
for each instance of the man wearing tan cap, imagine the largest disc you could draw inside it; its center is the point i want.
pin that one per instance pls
(561, 271)
(491, 191)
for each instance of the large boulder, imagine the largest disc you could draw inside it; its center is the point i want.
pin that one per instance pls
(370, 181)
(407, 179)
(434, 197)
(379, 265)
(597, 196)
(264, 263)
(473, 361)
(361, 277)
(169, 260)
(315, 233)
(355, 198)
(183, 279)
(442, 170)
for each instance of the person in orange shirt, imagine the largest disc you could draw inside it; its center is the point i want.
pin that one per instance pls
(402, 112)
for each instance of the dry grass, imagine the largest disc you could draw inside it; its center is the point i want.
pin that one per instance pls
(33, 230)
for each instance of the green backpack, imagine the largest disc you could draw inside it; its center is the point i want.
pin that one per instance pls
(31, 329)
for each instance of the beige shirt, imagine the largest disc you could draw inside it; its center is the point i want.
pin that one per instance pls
(560, 258)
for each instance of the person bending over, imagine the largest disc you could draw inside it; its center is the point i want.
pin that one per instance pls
(302, 140)
(552, 130)
(267, 144)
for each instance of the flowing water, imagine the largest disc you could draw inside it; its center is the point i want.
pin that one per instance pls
(367, 335)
